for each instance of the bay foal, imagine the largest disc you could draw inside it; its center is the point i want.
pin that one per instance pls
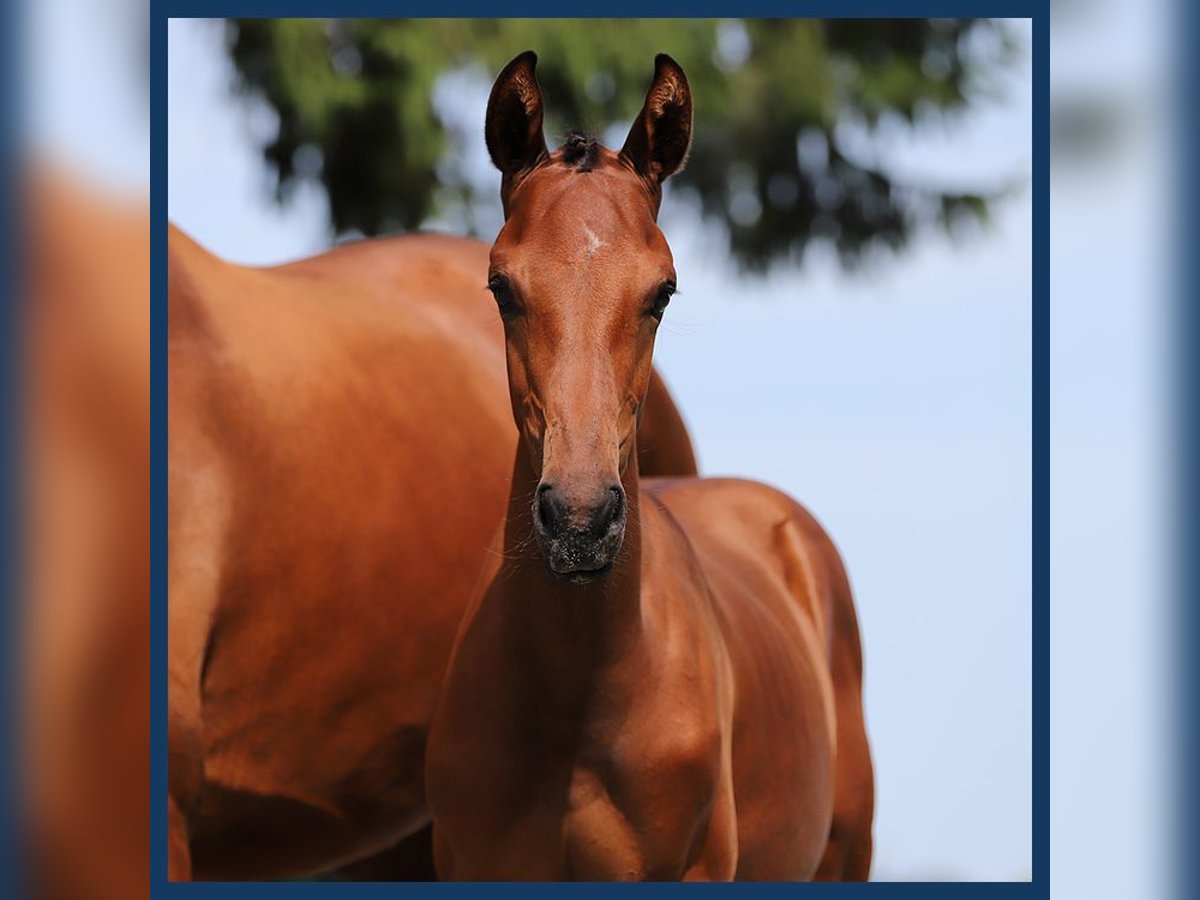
(657, 680)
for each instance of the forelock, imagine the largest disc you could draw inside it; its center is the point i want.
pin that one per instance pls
(580, 151)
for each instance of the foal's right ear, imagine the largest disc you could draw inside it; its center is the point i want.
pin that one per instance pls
(661, 135)
(514, 117)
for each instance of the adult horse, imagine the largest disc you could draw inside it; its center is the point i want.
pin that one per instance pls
(339, 455)
(666, 682)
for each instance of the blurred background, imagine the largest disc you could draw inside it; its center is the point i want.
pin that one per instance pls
(884, 319)
(1117, 229)
(80, 325)
(852, 238)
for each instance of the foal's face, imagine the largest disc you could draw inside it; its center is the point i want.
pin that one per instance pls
(582, 275)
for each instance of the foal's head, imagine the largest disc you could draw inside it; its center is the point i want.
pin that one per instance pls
(581, 275)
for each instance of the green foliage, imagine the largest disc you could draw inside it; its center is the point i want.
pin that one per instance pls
(774, 99)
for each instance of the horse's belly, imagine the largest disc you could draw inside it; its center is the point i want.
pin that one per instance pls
(240, 835)
(338, 601)
(315, 742)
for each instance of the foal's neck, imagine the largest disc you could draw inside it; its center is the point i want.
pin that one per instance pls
(573, 630)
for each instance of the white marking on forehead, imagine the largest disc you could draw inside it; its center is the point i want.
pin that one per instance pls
(593, 242)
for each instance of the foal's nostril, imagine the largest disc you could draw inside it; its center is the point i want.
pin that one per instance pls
(609, 510)
(550, 510)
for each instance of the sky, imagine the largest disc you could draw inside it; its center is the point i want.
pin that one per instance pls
(1113, 240)
(892, 402)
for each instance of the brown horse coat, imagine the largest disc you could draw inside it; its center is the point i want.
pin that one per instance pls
(658, 679)
(84, 605)
(339, 449)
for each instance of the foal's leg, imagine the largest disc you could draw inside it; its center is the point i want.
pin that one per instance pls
(409, 860)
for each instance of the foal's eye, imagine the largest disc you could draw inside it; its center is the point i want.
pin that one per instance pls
(502, 291)
(661, 298)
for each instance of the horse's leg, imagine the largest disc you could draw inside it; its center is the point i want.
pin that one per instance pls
(197, 519)
(409, 860)
(848, 854)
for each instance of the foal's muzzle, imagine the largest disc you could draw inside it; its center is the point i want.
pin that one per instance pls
(579, 538)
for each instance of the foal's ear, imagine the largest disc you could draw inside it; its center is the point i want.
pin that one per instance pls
(660, 137)
(514, 117)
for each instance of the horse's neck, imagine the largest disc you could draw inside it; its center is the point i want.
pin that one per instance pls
(568, 633)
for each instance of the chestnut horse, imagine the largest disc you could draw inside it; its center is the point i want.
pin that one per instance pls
(658, 679)
(340, 445)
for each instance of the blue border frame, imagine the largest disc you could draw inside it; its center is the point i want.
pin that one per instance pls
(1037, 10)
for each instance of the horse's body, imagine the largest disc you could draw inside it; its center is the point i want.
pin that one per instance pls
(666, 683)
(84, 610)
(339, 449)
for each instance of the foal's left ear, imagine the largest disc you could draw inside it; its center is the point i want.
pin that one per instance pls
(658, 142)
(513, 126)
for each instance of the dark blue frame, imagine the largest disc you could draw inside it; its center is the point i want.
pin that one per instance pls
(1186, 516)
(1037, 10)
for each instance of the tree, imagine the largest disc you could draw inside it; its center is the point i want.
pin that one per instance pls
(778, 102)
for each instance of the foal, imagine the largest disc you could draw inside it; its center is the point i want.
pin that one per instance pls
(656, 680)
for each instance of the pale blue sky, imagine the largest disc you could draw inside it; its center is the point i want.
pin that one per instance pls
(1114, 244)
(894, 403)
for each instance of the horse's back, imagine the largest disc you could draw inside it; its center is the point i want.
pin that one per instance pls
(400, 262)
(389, 286)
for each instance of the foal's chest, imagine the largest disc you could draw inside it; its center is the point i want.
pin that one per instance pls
(558, 824)
(579, 821)
(601, 831)
(600, 842)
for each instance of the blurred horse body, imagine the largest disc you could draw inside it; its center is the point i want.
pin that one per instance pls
(340, 445)
(85, 417)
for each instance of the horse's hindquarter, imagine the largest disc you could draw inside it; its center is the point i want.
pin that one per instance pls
(338, 453)
(771, 596)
